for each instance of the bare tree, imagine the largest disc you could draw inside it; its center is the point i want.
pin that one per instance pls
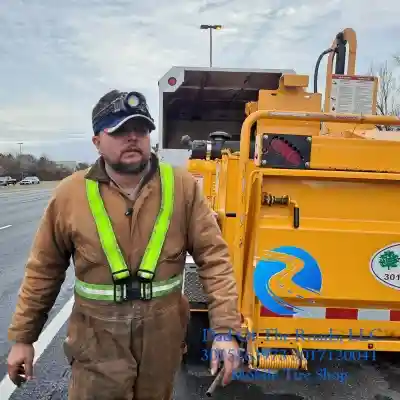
(388, 101)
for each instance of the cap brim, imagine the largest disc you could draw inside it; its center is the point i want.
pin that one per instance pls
(121, 121)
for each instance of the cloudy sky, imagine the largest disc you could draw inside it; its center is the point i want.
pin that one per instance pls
(58, 57)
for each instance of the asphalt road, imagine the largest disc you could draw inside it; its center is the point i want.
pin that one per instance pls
(20, 212)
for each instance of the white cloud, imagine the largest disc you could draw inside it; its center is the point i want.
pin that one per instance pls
(59, 57)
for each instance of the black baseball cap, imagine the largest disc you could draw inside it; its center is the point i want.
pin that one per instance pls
(116, 107)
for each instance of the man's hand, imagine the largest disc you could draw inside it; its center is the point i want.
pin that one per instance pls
(226, 349)
(20, 363)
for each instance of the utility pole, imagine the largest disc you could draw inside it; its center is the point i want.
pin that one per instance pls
(20, 147)
(211, 28)
(20, 159)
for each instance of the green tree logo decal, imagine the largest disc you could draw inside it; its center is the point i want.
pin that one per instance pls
(389, 259)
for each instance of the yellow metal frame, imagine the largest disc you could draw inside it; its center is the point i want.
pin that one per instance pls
(350, 36)
(246, 166)
(206, 170)
(341, 154)
(249, 187)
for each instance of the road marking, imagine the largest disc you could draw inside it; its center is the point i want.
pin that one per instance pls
(4, 227)
(7, 387)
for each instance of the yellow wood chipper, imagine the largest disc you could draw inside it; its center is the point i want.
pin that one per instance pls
(307, 197)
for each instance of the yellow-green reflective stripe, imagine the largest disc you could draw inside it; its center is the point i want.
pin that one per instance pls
(106, 292)
(105, 231)
(89, 292)
(153, 250)
(155, 245)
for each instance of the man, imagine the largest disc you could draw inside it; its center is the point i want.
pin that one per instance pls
(128, 323)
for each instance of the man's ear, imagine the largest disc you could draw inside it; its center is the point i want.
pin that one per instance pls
(96, 141)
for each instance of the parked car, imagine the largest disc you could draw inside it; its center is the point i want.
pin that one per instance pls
(30, 180)
(7, 180)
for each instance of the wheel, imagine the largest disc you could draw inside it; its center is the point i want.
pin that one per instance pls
(198, 347)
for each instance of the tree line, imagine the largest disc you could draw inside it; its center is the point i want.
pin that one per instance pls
(24, 165)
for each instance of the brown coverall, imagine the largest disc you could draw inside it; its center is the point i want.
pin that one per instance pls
(130, 350)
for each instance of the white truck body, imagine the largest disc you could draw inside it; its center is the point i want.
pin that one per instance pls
(196, 101)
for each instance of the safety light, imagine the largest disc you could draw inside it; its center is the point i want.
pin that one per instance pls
(132, 100)
(172, 81)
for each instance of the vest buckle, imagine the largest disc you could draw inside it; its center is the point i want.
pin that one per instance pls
(146, 290)
(144, 275)
(132, 288)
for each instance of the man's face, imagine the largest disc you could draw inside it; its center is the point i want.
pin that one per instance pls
(128, 149)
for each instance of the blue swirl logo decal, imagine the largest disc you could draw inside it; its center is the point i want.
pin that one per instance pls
(290, 271)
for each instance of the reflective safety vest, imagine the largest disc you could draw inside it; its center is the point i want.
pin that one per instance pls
(125, 286)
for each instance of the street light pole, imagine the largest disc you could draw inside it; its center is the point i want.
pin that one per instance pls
(20, 147)
(210, 28)
(20, 159)
(211, 48)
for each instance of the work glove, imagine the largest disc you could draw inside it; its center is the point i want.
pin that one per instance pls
(225, 348)
(20, 363)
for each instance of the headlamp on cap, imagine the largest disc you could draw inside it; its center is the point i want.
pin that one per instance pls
(133, 100)
(127, 103)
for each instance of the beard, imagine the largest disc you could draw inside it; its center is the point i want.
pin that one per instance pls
(128, 168)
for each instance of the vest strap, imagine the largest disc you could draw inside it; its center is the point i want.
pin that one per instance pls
(119, 269)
